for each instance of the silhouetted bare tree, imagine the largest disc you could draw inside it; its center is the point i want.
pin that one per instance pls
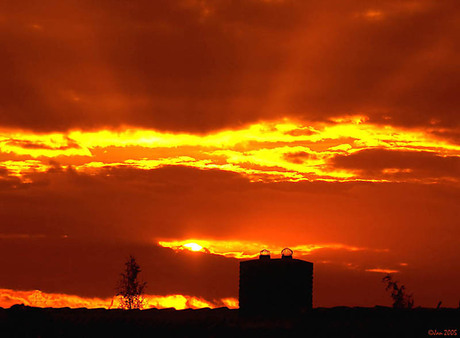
(401, 300)
(130, 290)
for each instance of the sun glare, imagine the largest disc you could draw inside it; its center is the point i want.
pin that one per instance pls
(193, 246)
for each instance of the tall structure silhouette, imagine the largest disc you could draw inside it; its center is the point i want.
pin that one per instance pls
(275, 286)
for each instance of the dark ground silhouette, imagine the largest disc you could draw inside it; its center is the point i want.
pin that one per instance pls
(24, 321)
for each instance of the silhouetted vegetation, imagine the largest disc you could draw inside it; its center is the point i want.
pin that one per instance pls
(401, 300)
(130, 290)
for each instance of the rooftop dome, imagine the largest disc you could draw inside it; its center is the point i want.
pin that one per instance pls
(264, 254)
(286, 253)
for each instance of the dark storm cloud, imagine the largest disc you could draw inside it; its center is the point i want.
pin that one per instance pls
(118, 202)
(372, 162)
(176, 202)
(204, 65)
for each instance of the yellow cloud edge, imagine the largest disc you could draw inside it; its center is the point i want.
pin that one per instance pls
(283, 150)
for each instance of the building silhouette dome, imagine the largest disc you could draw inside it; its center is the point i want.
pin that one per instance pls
(264, 254)
(286, 253)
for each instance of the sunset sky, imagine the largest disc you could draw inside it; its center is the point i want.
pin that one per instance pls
(194, 133)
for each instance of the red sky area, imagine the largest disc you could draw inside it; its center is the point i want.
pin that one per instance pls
(135, 127)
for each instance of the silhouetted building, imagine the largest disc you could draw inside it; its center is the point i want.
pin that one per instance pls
(277, 286)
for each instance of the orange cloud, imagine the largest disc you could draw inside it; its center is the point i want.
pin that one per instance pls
(37, 298)
(317, 63)
(382, 270)
(283, 150)
(245, 249)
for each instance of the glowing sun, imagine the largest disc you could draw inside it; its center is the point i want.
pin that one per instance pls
(193, 246)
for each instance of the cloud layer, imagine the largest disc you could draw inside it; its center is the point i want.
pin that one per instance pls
(204, 65)
(132, 127)
(69, 232)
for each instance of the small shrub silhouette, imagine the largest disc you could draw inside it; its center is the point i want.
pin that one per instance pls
(401, 300)
(130, 290)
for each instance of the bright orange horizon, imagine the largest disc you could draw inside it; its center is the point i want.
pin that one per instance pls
(193, 134)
